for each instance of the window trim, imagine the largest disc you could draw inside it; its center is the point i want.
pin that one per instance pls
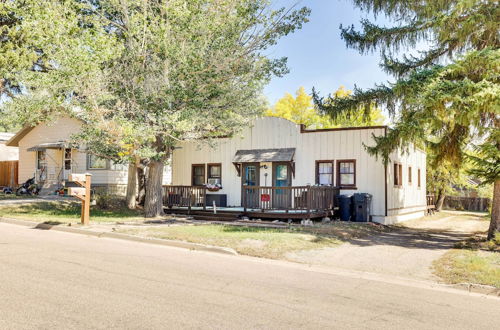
(398, 170)
(330, 161)
(209, 165)
(419, 180)
(97, 169)
(346, 186)
(38, 163)
(410, 179)
(204, 174)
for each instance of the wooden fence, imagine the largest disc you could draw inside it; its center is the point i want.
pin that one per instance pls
(467, 203)
(9, 173)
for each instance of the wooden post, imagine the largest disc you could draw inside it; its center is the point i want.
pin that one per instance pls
(86, 201)
(308, 201)
(83, 194)
(205, 198)
(190, 196)
(244, 195)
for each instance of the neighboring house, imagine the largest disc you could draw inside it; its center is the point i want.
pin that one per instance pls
(7, 153)
(8, 162)
(45, 153)
(279, 153)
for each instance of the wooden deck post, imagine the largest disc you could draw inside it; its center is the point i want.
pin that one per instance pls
(204, 198)
(308, 202)
(244, 196)
(190, 197)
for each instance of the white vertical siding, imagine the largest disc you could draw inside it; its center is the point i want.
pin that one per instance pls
(271, 132)
(407, 198)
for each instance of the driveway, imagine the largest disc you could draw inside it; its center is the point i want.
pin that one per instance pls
(407, 250)
(55, 280)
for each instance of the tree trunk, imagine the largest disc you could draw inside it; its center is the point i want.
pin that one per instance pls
(440, 200)
(132, 185)
(495, 211)
(142, 178)
(153, 206)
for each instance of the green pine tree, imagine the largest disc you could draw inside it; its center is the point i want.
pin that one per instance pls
(446, 96)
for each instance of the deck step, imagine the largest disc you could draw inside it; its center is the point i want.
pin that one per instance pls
(213, 217)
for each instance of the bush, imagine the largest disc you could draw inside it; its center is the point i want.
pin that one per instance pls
(109, 202)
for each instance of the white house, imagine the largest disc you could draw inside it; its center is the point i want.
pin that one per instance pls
(45, 153)
(7, 153)
(8, 161)
(275, 152)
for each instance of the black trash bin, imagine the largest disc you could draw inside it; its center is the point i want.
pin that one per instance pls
(362, 207)
(345, 207)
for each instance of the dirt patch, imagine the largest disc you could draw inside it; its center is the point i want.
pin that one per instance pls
(407, 250)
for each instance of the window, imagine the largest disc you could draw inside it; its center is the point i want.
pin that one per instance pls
(398, 175)
(418, 178)
(96, 163)
(346, 173)
(198, 174)
(214, 174)
(324, 172)
(67, 159)
(409, 175)
(41, 161)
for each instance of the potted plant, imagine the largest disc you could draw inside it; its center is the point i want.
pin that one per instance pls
(213, 187)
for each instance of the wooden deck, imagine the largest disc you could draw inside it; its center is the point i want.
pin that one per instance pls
(304, 202)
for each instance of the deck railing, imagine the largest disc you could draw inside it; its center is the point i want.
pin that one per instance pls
(185, 196)
(307, 198)
(304, 198)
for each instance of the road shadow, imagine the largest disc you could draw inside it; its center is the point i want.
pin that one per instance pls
(413, 238)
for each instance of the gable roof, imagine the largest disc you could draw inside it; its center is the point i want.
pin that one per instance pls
(14, 141)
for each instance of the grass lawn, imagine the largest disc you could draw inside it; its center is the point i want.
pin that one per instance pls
(469, 266)
(14, 196)
(253, 241)
(66, 212)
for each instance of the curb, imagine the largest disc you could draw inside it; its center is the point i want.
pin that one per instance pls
(100, 234)
(478, 288)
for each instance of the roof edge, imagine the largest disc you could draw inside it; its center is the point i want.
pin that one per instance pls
(303, 128)
(14, 141)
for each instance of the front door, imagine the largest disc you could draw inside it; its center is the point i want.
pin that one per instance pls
(67, 163)
(41, 166)
(282, 177)
(250, 178)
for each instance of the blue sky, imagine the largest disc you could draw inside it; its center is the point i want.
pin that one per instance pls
(318, 57)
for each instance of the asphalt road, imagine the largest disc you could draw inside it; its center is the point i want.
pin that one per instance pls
(55, 280)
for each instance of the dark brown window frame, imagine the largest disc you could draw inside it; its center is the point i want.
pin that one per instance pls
(204, 173)
(398, 175)
(331, 161)
(347, 186)
(419, 180)
(410, 175)
(209, 165)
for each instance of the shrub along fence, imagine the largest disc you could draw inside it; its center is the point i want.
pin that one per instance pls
(467, 203)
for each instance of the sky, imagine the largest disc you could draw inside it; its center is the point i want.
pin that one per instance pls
(318, 57)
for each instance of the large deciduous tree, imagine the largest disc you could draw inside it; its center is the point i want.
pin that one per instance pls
(301, 110)
(446, 95)
(188, 70)
(143, 75)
